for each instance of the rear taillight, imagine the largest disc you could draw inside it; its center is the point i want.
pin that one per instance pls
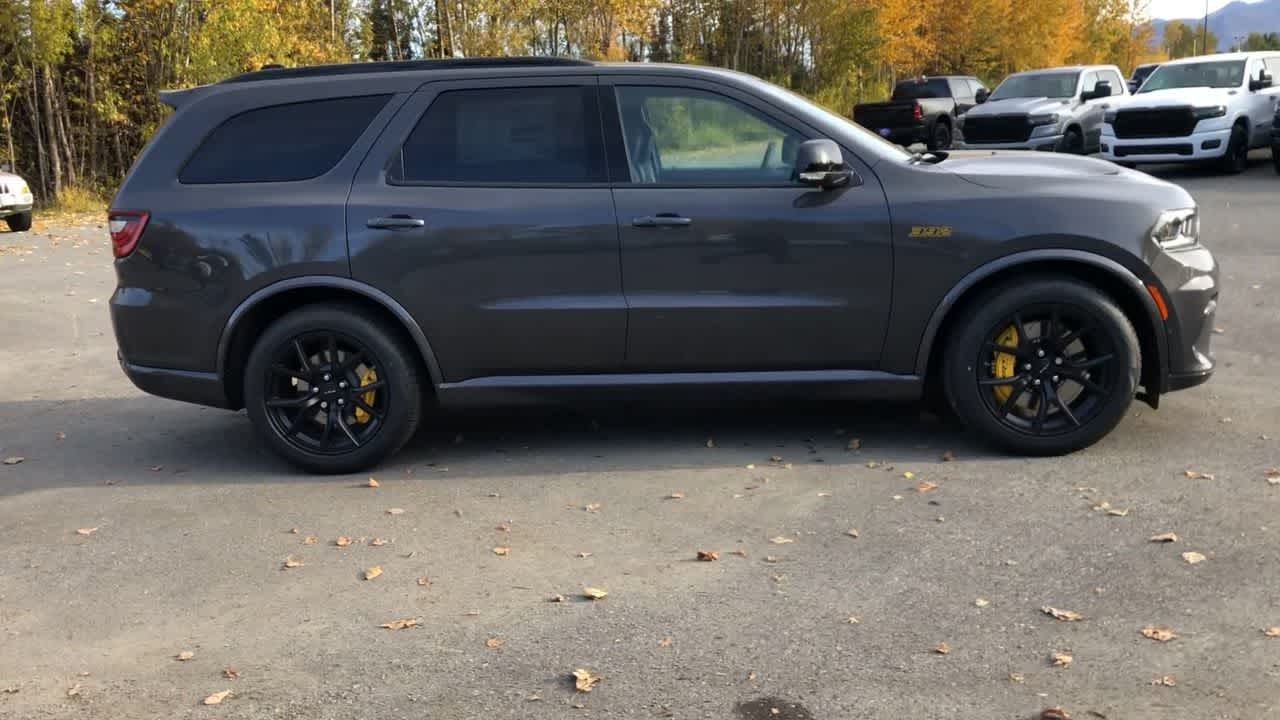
(917, 112)
(126, 227)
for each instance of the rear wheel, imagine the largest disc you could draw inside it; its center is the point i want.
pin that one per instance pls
(1043, 366)
(20, 222)
(1236, 159)
(941, 139)
(332, 389)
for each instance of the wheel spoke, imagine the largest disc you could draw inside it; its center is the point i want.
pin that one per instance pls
(302, 356)
(288, 372)
(1055, 324)
(1042, 410)
(1007, 406)
(375, 385)
(352, 361)
(367, 407)
(1001, 348)
(328, 429)
(300, 401)
(342, 424)
(1074, 335)
(1022, 330)
(297, 421)
(333, 351)
(1094, 362)
(1057, 400)
(994, 382)
(1085, 382)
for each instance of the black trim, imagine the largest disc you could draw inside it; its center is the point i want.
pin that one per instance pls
(201, 388)
(1182, 381)
(281, 73)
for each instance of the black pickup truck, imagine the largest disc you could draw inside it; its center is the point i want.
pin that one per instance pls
(922, 110)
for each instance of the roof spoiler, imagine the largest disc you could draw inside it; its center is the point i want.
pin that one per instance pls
(177, 98)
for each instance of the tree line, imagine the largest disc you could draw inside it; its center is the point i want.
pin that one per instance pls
(79, 79)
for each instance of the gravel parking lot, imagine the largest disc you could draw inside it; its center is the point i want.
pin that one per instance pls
(905, 578)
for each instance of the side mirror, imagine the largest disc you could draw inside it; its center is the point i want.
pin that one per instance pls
(982, 96)
(1262, 83)
(1100, 90)
(821, 164)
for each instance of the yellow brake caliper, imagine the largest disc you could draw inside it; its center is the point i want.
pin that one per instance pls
(1004, 365)
(368, 377)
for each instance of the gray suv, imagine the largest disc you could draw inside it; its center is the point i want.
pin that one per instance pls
(1059, 110)
(337, 249)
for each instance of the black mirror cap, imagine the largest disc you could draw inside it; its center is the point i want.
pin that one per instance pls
(821, 164)
(1262, 83)
(1101, 90)
(982, 96)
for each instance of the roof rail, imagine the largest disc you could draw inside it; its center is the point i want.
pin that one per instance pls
(277, 72)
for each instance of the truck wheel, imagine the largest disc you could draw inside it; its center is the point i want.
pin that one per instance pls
(1072, 143)
(20, 222)
(332, 389)
(941, 139)
(1042, 366)
(1236, 159)
(1275, 157)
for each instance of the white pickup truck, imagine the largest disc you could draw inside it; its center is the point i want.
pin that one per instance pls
(15, 202)
(1210, 108)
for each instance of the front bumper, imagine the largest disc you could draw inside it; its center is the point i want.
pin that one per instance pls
(14, 203)
(1189, 277)
(1048, 143)
(1198, 146)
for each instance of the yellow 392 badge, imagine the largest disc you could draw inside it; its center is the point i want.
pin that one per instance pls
(930, 231)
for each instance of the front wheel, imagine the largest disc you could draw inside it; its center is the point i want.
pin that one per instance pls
(20, 222)
(1275, 157)
(1072, 143)
(1043, 366)
(333, 389)
(1236, 159)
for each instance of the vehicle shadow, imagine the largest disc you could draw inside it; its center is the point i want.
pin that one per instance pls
(1258, 159)
(144, 441)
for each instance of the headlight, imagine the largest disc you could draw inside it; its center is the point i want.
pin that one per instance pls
(1213, 111)
(23, 189)
(1176, 229)
(1049, 119)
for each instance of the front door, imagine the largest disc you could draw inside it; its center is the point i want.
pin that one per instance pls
(727, 262)
(484, 209)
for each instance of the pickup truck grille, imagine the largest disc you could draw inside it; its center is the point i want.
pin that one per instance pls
(874, 118)
(1164, 122)
(996, 129)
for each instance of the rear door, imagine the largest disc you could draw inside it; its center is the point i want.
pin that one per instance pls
(729, 264)
(962, 91)
(484, 209)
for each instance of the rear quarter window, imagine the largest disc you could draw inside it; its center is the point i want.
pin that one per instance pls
(281, 143)
(916, 90)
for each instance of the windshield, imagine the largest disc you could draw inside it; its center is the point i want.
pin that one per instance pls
(1142, 71)
(1050, 85)
(1214, 74)
(917, 90)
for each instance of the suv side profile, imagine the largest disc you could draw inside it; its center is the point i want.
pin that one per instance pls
(1057, 109)
(335, 248)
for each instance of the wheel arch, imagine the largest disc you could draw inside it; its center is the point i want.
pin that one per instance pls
(1103, 273)
(267, 304)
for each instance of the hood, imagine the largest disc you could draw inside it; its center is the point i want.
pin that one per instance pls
(1018, 169)
(1179, 97)
(9, 177)
(1019, 106)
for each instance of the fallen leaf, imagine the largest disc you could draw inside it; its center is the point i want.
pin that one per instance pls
(853, 620)
(925, 486)
(854, 444)
(982, 602)
(377, 542)
(708, 555)
(230, 673)
(740, 552)
(1192, 557)
(59, 436)
(751, 466)
(493, 643)
(400, 624)
(1164, 538)
(592, 507)
(948, 456)
(873, 465)
(942, 648)
(293, 531)
(711, 442)
(557, 599)
(595, 593)
(372, 483)
(373, 572)
(310, 540)
(772, 559)
(184, 656)
(423, 581)
(533, 698)
(156, 468)
(342, 541)
(751, 676)
(217, 697)
(585, 680)
(1271, 631)
(1272, 474)
(1054, 713)
(584, 554)
(395, 511)
(908, 475)
(1196, 475)
(1159, 633)
(292, 561)
(1165, 680)
(87, 531)
(1062, 659)
(502, 551)
(664, 642)
(775, 459)
(676, 496)
(1064, 615)
(1118, 512)
(852, 532)
(504, 527)
(1017, 677)
(781, 540)
(13, 460)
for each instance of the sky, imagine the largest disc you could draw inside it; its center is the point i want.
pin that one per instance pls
(1183, 8)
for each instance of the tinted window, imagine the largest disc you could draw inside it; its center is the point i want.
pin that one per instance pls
(679, 135)
(506, 135)
(1030, 85)
(1210, 73)
(282, 142)
(921, 88)
(1142, 72)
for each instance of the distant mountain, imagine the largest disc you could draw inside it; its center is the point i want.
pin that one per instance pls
(1238, 18)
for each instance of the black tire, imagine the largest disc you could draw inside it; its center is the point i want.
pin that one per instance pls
(20, 222)
(1072, 308)
(317, 440)
(1072, 142)
(1275, 157)
(1236, 159)
(940, 138)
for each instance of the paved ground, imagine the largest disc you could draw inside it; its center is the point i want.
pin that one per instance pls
(193, 522)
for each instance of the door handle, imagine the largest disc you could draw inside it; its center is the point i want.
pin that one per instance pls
(395, 222)
(663, 220)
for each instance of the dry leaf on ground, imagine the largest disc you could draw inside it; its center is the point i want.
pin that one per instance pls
(853, 620)
(925, 486)
(982, 602)
(1192, 557)
(1271, 631)
(230, 673)
(584, 681)
(14, 460)
(87, 531)
(664, 642)
(378, 542)
(493, 643)
(1017, 677)
(557, 599)
(942, 648)
(342, 541)
(395, 511)
(1159, 633)
(592, 507)
(400, 624)
(584, 554)
(595, 593)
(423, 581)
(948, 456)
(1165, 680)
(676, 496)
(292, 561)
(502, 551)
(373, 572)
(908, 475)
(1062, 659)
(1064, 615)
(217, 697)
(310, 540)
(740, 552)
(372, 483)
(1164, 538)
(1197, 475)
(184, 656)
(852, 532)
(711, 442)
(1054, 713)
(781, 540)
(708, 555)
(854, 444)
(1117, 512)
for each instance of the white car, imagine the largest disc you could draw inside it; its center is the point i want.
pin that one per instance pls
(15, 202)
(1209, 108)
